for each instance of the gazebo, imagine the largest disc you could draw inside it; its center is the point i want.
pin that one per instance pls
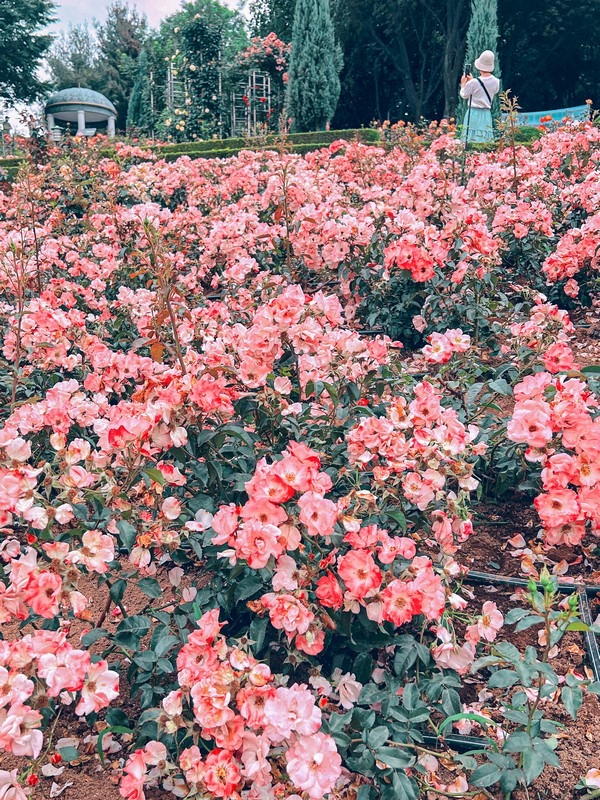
(82, 106)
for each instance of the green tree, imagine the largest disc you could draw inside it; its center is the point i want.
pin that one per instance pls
(314, 84)
(184, 71)
(483, 35)
(272, 16)
(404, 43)
(483, 31)
(73, 58)
(120, 39)
(140, 111)
(23, 43)
(550, 51)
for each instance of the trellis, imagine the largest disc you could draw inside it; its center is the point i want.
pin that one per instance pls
(251, 104)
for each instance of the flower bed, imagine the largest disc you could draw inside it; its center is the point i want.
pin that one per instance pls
(235, 530)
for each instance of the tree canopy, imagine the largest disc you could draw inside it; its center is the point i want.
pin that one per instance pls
(23, 43)
(402, 59)
(73, 58)
(314, 85)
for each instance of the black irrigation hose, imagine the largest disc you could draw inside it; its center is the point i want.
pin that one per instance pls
(505, 580)
(591, 640)
(583, 590)
(457, 741)
(462, 743)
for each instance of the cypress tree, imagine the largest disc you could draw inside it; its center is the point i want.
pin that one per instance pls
(483, 35)
(314, 85)
(139, 112)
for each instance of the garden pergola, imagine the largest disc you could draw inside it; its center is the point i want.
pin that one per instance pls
(81, 106)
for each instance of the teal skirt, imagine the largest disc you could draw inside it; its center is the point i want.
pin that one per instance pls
(477, 127)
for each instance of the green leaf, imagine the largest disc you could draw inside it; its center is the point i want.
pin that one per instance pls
(257, 632)
(117, 590)
(247, 587)
(502, 679)
(501, 386)
(472, 393)
(127, 534)
(154, 475)
(238, 433)
(363, 667)
(69, 753)
(394, 757)
(509, 779)
(528, 622)
(514, 615)
(131, 630)
(542, 746)
(89, 638)
(486, 775)
(405, 656)
(578, 625)
(164, 644)
(404, 787)
(411, 698)
(533, 765)
(150, 587)
(572, 698)
(332, 393)
(398, 517)
(517, 742)
(378, 736)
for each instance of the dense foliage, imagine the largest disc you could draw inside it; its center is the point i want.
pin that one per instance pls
(314, 86)
(548, 49)
(414, 50)
(232, 524)
(23, 43)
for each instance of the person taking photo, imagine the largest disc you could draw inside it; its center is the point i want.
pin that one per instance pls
(479, 94)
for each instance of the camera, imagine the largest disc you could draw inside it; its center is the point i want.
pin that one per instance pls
(468, 69)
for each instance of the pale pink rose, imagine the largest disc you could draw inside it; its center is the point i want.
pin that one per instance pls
(173, 703)
(450, 655)
(9, 786)
(291, 710)
(592, 778)
(348, 688)
(19, 449)
(282, 385)
(63, 514)
(78, 477)
(314, 764)
(37, 517)
(100, 687)
(171, 508)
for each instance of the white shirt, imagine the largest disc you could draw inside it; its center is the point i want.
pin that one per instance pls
(474, 90)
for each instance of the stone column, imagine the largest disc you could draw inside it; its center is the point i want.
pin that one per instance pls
(80, 123)
(111, 127)
(50, 121)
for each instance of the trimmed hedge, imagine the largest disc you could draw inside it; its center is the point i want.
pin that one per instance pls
(316, 138)
(228, 152)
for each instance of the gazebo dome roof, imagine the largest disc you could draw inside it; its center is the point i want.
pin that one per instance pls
(68, 102)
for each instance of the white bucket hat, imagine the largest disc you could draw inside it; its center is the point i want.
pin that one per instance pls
(485, 62)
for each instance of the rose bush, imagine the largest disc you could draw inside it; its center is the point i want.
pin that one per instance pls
(215, 486)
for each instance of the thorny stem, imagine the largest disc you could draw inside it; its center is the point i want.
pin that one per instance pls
(43, 755)
(162, 273)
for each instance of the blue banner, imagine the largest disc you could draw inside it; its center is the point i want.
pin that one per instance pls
(536, 118)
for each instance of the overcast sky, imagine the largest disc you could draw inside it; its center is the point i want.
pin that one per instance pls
(76, 11)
